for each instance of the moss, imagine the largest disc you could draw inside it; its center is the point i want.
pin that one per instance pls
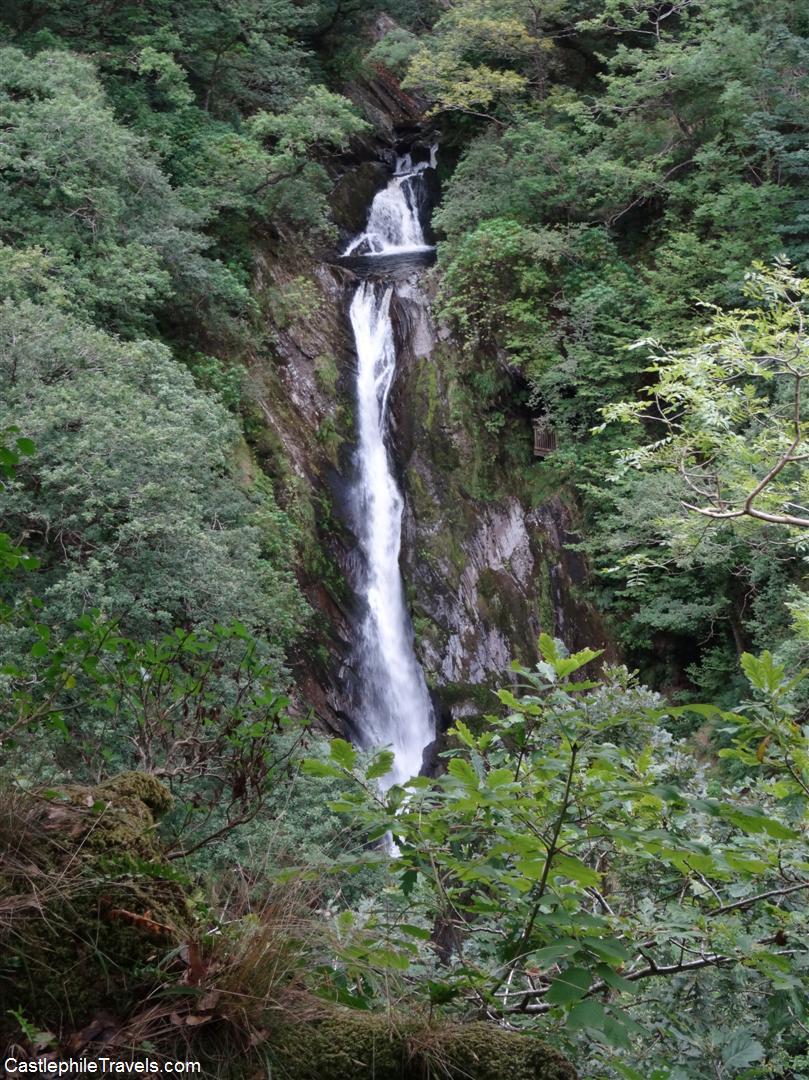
(371, 1046)
(432, 394)
(330, 439)
(92, 907)
(348, 1046)
(424, 506)
(486, 1052)
(131, 788)
(327, 373)
(547, 619)
(89, 913)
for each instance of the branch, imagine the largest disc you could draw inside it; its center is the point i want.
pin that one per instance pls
(759, 515)
(789, 456)
(277, 178)
(738, 904)
(557, 829)
(653, 968)
(525, 937)
(716, 960)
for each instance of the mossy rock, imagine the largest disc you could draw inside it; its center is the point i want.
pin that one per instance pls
(365, 1046)
(89, 908)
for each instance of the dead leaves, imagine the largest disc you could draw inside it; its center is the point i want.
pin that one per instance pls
(200, 1012)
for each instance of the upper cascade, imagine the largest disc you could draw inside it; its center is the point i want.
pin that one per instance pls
(394, 224)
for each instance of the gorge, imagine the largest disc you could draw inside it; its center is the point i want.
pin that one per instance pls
(486, 564)
(404, 625)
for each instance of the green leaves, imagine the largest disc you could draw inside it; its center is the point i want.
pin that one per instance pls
(570, 986)
(575, 869)
(137, 465)
(344, 761)
(753, 821)
(12, 448)
(342, 753)
(313, 767)
(604, 876)
(380, 766)
(564, 665)
(203, 707)
(463, 771)
(726, 436)
(587, 1014)
(763, 672)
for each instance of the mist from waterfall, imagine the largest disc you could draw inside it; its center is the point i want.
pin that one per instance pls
(395, 707)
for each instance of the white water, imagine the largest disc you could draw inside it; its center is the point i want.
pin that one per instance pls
(395, 706)
(393, 222)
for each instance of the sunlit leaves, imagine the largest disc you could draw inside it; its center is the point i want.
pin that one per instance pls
(731, 409)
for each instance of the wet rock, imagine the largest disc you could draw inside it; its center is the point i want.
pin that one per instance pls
(353, 194)
(485, 568)
(485, 573)
(380, 99)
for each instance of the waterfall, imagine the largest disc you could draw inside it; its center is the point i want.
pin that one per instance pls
(395, 707)
(393, 222)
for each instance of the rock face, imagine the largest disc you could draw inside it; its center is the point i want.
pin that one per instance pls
(517, 580)
(487, 569)
(302, 419)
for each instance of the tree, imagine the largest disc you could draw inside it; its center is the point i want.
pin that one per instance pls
(732, 408)
(92, 220)
(132, 502)
(202, 710)
(663, 155)
(485, 58)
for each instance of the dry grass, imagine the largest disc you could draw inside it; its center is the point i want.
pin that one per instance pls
(225, 988)
(233, 969)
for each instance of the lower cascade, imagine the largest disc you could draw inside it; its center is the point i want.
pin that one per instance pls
(395, 707)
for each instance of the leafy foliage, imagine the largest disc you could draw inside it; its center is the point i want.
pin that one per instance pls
(200, 710)
(623, 165)
(584, 863)
(576, 863)
(89, 220)
(732, 409)
(131, 502)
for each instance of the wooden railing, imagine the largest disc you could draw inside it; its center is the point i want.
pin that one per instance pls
(544, 438)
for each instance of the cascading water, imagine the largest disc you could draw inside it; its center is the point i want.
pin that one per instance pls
(393, 223)
(395, 707)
